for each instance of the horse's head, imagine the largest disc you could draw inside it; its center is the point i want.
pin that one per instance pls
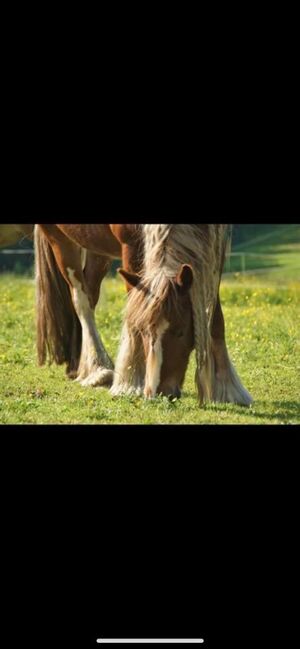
(162, 315)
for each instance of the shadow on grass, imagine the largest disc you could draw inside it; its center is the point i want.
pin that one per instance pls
(263, 410)
(283, 410)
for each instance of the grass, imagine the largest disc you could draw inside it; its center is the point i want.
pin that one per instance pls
(262, 321)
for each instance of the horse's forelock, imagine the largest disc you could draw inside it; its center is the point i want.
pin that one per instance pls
(147, 304)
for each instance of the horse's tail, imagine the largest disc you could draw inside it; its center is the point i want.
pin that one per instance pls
(59, 333)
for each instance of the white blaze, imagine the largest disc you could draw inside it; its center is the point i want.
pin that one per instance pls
(154, 361)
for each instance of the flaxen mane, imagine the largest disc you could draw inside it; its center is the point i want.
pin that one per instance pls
(166, 248)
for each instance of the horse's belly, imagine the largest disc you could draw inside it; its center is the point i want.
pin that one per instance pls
(97, 238)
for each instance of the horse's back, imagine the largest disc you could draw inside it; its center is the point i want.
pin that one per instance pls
(95, 237)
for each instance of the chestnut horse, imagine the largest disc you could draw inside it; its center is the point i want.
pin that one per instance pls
(173, 308)
(71, 262)
(172, 273)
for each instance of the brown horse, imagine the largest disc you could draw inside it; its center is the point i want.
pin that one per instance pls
(173, 274)
(174, 307)
(71, 262)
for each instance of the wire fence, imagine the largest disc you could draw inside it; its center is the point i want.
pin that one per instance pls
(28, 251)
(236, 262)
(19, 261)
(22, 261)
(247, 262)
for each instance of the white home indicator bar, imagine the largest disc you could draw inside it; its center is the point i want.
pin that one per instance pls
(150, 641)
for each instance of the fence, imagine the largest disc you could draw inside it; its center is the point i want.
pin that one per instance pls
(28, 251)
(249, 262)
(21, 261)
(18, 261)
(237, 262)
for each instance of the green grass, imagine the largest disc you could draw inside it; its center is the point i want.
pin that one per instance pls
(262, 321)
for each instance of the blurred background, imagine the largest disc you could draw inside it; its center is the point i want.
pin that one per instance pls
(18, 258)
(256, 247)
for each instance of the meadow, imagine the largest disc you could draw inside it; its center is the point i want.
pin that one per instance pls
(262, 322)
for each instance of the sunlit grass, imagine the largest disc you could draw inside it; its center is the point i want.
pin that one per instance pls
(262, 321)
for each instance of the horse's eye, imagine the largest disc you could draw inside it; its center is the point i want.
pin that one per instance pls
(179, 334)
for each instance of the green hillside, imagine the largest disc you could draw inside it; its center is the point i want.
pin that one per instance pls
(271, 247)
(257, 237)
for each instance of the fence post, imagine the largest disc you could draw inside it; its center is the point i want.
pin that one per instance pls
(243, 263)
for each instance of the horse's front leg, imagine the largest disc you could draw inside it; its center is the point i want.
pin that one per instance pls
(130, 367)
(129, 375)
(226, 384)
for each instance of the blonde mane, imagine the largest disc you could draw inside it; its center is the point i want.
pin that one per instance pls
(166, 248)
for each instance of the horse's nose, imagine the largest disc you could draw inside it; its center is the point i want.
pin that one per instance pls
(171, 392)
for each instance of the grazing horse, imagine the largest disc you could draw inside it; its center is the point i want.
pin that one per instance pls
(172, 274)
(71, 262)
(173, 308)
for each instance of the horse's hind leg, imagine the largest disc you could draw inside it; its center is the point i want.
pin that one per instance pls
(226, 384)
(101, 373)
(93, 357)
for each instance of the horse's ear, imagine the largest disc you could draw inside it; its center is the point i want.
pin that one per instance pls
(131, 278)
(185, 278)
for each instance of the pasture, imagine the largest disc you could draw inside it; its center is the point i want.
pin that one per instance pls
(263, 336)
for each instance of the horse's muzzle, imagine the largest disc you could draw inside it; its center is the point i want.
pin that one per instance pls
(170, 391)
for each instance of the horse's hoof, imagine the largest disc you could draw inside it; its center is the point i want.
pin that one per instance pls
(72, 375)
(126, 390)
(100, 378)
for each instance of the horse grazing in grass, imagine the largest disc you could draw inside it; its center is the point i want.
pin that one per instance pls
(172, 274)
(173, 308)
